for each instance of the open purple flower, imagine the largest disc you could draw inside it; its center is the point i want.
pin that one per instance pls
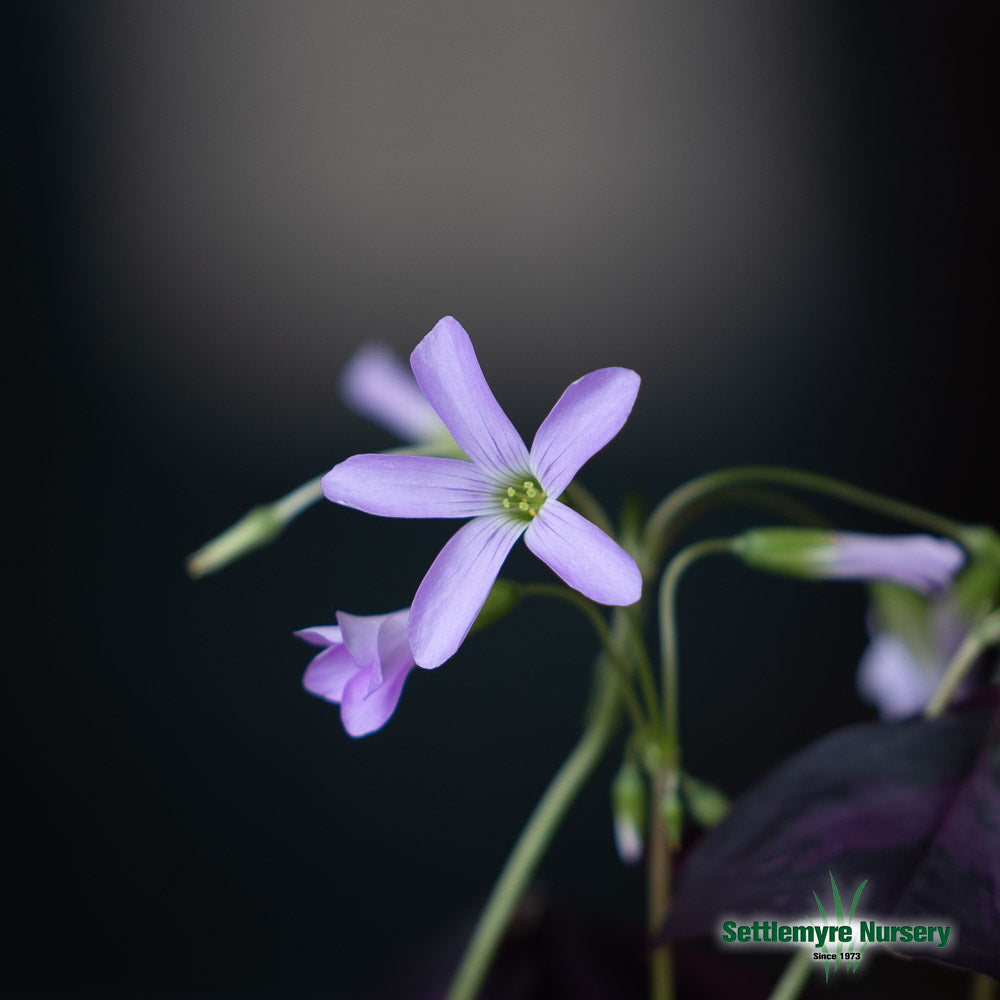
(507, 490)
(363, 667)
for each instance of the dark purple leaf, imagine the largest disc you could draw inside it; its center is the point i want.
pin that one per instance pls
(913, 806)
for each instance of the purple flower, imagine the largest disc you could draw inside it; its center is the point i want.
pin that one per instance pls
(507, 490)
(922, 562)
(363, 667)
(375, 384)
(925, 563)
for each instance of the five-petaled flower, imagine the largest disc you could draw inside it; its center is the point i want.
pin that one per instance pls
(363, 667)
(507, 490)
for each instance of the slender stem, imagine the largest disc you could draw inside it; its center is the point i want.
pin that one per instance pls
(794, 978)
(668, 628)
(586, 503)
(647, 680)
(666, 774)
(661, 963)
(979, 639)
(983, 987)
(304, 496)
(608, 644)
(661, 521)
(534, 839)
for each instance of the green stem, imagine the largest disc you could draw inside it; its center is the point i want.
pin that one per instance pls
(608, 644)
(659, 527)
(666, 771)
(978, 640)
(668, 630)
(586, 504)
(983, 987)
(304, 496)
(794, 978)
(647, 680)
(534, 839)
(661, 961)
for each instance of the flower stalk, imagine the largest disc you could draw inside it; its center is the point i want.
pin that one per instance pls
(536, 836)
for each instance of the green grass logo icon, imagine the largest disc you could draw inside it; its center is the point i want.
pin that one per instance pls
(839, 910)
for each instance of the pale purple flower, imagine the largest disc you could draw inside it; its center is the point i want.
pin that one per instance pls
(922, 562)
(507, 490)
(894, 678)
(377, 385)
(363, 667)
(912, 641)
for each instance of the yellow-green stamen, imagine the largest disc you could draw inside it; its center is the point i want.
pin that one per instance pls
(523, 499)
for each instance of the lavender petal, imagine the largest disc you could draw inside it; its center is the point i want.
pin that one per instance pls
(361, 636)
(376, 384)
(366, 708)
(591, 411)
(583, 556)
(329, 672)
(410, 486)
(448, 373)
(457, 585)
(922, 562)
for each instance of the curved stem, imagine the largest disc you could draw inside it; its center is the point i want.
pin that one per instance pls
(586, 504)
(608, 644)
(674, 505)
(794, 978)
(647, 681)
(665, 777)
(668, 628)
(534, 839)
(979, 639)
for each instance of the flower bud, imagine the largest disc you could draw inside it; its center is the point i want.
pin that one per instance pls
(257, 527)
(503, 597)
(921, 562)
(628, 810)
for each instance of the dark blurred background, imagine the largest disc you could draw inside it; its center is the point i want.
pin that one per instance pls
(780, 214)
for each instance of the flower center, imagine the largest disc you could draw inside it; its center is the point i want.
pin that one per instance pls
(523, 498)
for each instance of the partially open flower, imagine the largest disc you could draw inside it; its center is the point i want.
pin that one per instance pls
(363, 667)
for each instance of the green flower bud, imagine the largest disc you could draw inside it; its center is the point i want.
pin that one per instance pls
(628, 811)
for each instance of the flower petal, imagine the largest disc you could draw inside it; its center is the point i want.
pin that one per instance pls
(892, 679)
(587, 416)
(410, 486)
(922, 562)
(449, 375)
(321, 635)
(583, 556)
(363, 710)
(457, 585)
(376, 384)
(329, 672)
(361, 637)
(394, 651)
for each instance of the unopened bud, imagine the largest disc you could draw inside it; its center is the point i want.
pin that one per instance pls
(922, 562)
(257, 527)
(503, 597)
(628, 811)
